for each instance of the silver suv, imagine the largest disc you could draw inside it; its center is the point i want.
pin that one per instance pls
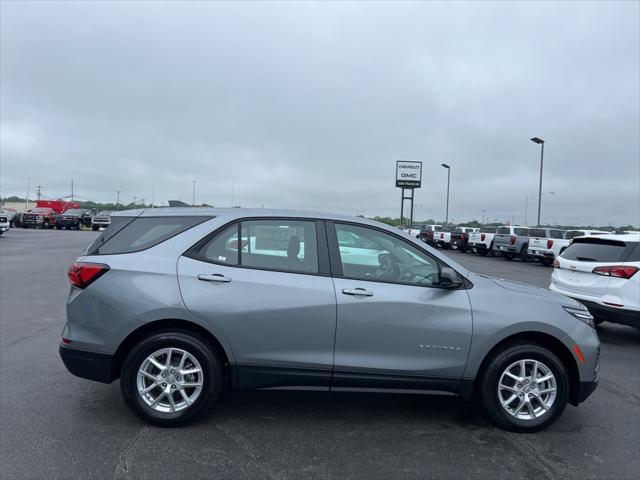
(176, 303)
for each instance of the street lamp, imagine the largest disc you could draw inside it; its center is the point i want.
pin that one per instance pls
(446, 218)
(540, 142)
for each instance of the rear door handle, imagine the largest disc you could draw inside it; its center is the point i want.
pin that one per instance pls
(358, 292)
(216, 277)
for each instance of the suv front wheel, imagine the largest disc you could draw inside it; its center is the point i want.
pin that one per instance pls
(525, 388)
(171, 378)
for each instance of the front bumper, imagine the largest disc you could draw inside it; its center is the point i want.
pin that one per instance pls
(584, 390)
(4, 228)
(90, 365)
(68, 223)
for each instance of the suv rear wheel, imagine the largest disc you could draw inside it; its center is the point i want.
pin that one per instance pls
(171, 378)
(525, 388)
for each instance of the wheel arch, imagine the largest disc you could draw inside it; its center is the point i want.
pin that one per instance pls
(151, 327)
(469, 387)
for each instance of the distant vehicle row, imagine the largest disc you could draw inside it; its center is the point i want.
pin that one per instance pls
(595, 267)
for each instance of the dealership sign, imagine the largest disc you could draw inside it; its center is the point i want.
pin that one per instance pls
(408, 174)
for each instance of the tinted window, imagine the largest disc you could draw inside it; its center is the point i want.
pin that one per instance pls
(447, 229)
(488, 230)
(383, 257)
(504, 230)
(104, 213)
(522, 231)
(557, 233)
(223, 248)
(286, 245)
(598, 250)
(73, 212)
(538, 233)
(574, 233)
(133, 234)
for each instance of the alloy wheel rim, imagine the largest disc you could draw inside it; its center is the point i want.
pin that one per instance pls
(170, 380)
(527, 389)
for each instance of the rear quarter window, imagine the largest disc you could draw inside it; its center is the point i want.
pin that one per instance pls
(522, 231)
(487, 230)
(503, 230)
(133, 234)
(600, 250)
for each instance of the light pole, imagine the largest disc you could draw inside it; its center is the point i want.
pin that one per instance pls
(483, 212)
(193, 197)
(540, 142)
(446, 217)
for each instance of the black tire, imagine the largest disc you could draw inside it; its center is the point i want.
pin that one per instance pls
(488, 386)
(546, 261)
(508, 256)
(523, 254)
(463, 249)
(197, 346)
(483, 253)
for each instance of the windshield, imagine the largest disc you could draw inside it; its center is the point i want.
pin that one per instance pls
(105, 213)
(73, 212)
(40, 210)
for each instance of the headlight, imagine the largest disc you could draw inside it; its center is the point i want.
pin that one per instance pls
(581, 314)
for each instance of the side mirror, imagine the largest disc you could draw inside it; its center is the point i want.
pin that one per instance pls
(449, 278)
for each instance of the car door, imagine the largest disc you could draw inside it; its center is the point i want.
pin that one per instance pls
(395, 328)
(264, 285)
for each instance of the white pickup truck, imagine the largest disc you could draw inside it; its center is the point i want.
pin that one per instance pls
(456, 237)
(541, 241)
(545, 250)
(414, 231)
(482, 241)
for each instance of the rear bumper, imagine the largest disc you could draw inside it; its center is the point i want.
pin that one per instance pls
(90, 365)
(612, 314)
(504, 249)
(541, 253)
(478, 246)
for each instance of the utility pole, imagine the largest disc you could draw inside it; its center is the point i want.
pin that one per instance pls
(118, 198)
(151, 196)
(39, 187)
(446, 218)
(134, 201)
(193, 197)
(483, 212)
(26, 204)
(540, 142)
(72, 189)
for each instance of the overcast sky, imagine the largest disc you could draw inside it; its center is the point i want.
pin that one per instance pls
(309, 105)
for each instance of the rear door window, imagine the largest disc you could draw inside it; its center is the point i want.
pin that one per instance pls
(522, 231)
(574, 233)
(598, 250)
(503, 230)
(556, 233)
(133, 234)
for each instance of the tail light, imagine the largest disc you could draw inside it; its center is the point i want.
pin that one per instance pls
(482, 237)
(619, 271)
(82, 274)
(441, 236)
(556, 263)
(513, 239)
(549, 243)
(462, 237)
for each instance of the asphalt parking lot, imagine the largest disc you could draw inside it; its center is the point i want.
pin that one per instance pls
(54, 425)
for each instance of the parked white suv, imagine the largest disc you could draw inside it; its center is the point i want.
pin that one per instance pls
(601, 272)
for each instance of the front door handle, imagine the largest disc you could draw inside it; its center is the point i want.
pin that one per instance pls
(216, 277)
(358, 292)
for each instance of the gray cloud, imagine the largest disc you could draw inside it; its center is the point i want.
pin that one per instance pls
(308, 105)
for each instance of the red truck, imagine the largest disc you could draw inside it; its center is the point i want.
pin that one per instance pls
(45, 213)
(58, 206)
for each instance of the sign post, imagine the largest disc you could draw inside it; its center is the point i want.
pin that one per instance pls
(408, 177)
